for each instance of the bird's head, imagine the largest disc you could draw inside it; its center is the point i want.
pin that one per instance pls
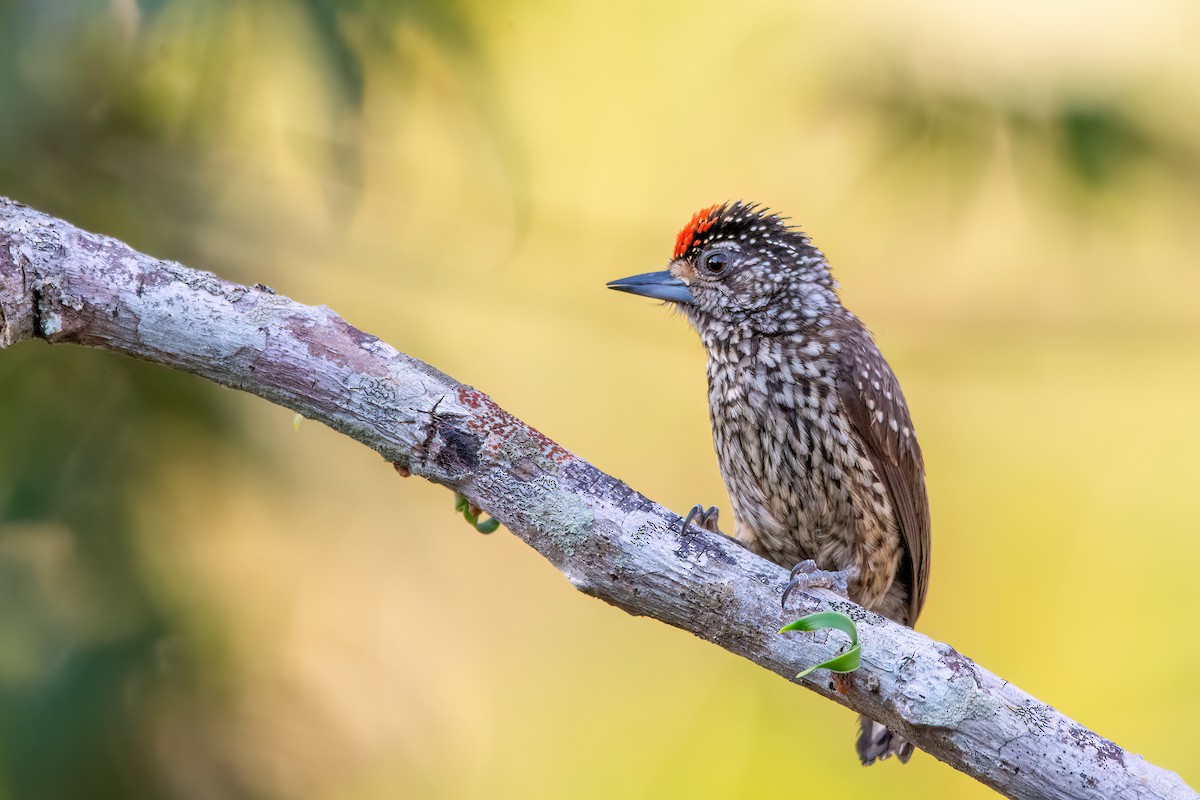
(737, 269)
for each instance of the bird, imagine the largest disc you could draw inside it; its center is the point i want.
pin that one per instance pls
(813, 435)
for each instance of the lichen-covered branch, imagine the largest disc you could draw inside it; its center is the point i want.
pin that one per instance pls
(61, 284)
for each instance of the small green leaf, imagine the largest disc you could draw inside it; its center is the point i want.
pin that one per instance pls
(488, 527)
(831, 620)
(846, 662)
(825, 620)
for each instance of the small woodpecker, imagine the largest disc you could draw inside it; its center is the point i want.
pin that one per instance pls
(812, 433)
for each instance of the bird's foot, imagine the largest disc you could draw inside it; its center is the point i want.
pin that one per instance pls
(805, 575)
(704, 518)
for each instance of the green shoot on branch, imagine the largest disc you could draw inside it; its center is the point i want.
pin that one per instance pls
(831, 620)
(461, 503)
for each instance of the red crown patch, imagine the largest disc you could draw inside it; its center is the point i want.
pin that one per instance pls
(704, 219)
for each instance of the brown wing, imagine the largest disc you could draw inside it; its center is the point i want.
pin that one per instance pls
(875, 406)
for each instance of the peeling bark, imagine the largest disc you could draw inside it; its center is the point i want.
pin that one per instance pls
(62, 284)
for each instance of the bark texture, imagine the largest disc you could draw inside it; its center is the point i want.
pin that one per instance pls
(61, 284)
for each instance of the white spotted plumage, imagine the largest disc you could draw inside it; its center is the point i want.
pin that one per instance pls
(811, 430)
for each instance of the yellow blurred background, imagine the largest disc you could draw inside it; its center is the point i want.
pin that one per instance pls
(197, 601)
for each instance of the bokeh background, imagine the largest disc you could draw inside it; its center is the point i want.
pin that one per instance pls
(197, 601)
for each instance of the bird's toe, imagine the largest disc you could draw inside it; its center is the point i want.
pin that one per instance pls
(705, 518)
(806, 575)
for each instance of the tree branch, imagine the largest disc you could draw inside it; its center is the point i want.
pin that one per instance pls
(62, 284)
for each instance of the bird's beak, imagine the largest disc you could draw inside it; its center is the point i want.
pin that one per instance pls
(659, 285)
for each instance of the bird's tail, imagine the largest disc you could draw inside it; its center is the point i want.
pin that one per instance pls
(876, 742)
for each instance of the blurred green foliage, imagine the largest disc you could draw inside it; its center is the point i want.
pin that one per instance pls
(83, 434)
(126, 108)
(114, 118)
(1089, 140)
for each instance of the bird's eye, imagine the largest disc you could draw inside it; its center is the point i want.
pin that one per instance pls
(715, 262)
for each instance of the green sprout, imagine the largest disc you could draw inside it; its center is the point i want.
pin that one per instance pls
(471, 514)
(831, 620)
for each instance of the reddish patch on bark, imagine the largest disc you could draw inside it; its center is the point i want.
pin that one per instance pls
(497, 426)
(333, 339)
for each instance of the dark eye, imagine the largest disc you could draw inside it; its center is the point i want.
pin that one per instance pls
(715, 262)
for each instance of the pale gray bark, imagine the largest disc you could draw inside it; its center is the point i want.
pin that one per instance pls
(61, 284)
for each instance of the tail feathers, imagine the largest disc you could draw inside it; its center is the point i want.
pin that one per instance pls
(876, 743)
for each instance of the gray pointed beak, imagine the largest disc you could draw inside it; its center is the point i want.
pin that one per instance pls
(659, 285)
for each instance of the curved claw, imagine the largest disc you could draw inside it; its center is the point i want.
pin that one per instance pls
(804, 567)
(805, 575)
(707, 518)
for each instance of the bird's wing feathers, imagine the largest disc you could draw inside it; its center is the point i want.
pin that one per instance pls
(875, 406)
